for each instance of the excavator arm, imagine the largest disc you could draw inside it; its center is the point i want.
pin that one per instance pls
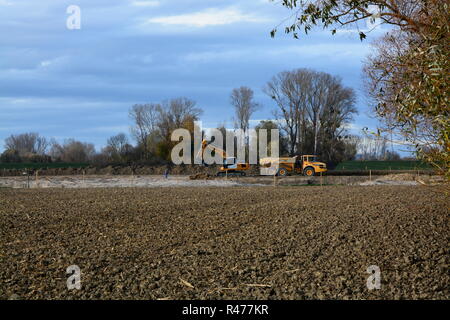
(206, 145)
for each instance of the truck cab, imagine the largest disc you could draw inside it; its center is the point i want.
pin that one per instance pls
(310, 166)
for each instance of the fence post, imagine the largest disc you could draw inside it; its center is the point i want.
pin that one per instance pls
(370, 175)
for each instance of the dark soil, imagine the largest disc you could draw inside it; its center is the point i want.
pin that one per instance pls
(225, 243)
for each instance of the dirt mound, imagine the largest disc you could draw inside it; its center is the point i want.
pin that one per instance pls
(400, 177)
(201, 176)
(406, 179)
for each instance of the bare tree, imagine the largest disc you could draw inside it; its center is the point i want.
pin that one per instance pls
(72, 151)
(154, 123)
(337, 110)
(117, 146)
(176, 113)
(244, 106)
(27, 143)
(313, 108)
(144, 117)
(269, 125)
(223, 130)
(288, 90)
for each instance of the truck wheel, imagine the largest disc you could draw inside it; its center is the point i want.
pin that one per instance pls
(282, 172)
(309, 171)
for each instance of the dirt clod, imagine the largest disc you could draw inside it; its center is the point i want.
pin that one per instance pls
(201, 176)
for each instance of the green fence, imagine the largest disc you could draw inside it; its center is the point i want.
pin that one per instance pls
(383, 165)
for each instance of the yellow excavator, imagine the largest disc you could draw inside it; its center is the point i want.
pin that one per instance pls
(306, 165)
(230, 165)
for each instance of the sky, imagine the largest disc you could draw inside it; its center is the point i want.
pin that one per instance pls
(80, 83)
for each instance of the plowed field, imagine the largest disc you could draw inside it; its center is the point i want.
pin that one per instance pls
(225, 243)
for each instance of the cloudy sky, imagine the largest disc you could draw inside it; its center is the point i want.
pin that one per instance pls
(80, 83)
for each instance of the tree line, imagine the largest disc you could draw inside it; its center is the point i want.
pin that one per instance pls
(312, 111)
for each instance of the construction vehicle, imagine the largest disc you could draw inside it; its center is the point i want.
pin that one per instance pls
(306, 165)
(230, 166)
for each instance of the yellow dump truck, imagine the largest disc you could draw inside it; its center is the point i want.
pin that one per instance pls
(306, 165)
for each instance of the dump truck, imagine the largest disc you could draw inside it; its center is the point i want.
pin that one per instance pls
(306, 165)
(230, 166)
